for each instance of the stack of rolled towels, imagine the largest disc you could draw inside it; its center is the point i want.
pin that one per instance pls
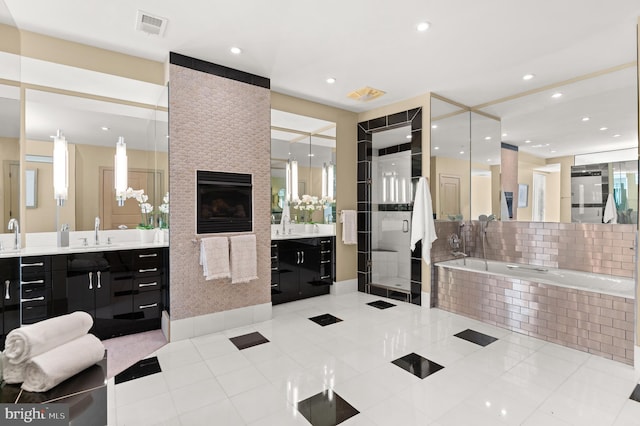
(44, 354)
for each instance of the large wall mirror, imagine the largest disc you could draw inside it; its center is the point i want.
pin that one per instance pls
(577, 147)
(311, 144)
(92, 128)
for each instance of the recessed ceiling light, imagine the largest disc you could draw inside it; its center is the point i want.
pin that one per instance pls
(585, 119)
(436, 147)
(527, 141)
(461, 152)
(604, 128)
(617, 135)
(504, 135)
(235, 50)
(331, 80)
(487, 138)
(528, 76)
(423, 26)
(105, 128)
(556, 95)
(408, 136)
(434, 126)
(553, 150)
(488, 159)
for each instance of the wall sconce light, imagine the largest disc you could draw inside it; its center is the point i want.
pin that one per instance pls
(327, 180)
(120, 171)
(292, 180)
(60, 168)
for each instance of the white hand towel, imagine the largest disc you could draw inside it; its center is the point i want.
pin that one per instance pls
(244, 264)
(610, 212)
(422, 225)
(214, 258)
(31, 340)
(12, 373)
(349, 221)
(51, 368)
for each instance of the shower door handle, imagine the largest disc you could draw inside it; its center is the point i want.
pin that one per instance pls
(405, 226)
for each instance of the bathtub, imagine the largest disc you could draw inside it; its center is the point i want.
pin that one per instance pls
(597, 283)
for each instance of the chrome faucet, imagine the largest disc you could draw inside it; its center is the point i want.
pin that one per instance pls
(285, 218)
(15, 227)
(96, 239)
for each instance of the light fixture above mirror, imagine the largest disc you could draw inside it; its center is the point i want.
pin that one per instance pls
(120, 171)
(60, 168)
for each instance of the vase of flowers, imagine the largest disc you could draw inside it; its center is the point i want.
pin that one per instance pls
(146, 229)
(163, 213)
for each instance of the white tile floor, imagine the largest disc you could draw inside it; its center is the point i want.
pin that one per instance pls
(515, 380)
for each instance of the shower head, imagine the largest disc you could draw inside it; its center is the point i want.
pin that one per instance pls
(483, 218)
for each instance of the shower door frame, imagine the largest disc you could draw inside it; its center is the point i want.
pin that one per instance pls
(366, 129)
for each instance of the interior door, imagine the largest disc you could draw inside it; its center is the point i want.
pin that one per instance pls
(129, 215)
(449, 196)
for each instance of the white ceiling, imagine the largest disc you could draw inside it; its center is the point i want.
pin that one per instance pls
(473, 53)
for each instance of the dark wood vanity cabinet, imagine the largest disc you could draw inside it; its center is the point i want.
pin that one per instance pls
(123, 290)
(303, 268)
(10, 301)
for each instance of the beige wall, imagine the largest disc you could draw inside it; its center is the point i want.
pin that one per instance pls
(552, 197)
(9, 151)
(495, 190)
(222, 125)
(638, 257)
(565, 185)
(481, 199)
(526, 164)
(443, 166)
(346, 167)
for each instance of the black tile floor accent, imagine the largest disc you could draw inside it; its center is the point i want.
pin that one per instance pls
(381, 304)
(417, 365)
(248, 340)
(142, 368)
(326, 408)
(635, 395)
(476, 337)
(325, 319)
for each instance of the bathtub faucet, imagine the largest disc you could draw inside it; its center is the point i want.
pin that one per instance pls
(459, 254)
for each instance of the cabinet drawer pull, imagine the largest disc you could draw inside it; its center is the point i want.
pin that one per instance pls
(32, 282)
(325, 261)
(148, 270)
(274, 257)
(325, 251)
(98, 274)
(34, 299)
(274, 269)
(274, 245)
(90, 280)
(325, 277)
(153, 305)
(148, 284)
(274, 285)
(32, 264)
(325, 241)
(7, 283)
(148, 255)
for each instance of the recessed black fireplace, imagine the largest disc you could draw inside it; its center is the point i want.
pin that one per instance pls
(224, 202)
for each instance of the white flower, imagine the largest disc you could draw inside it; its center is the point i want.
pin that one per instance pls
(164, 208)
(165, 199)
(146, 208)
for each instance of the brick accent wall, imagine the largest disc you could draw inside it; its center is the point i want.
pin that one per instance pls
(595, 323)
(222, 125)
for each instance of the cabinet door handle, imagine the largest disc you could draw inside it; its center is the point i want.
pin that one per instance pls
(298, 258)
(90, 280)
(148, 284)
(325, 251)
(35, 299)
(148, 255)
(302, 257)
(32, 282)
(32, 264)
(325, 241)
(99, 274)
(148, 270)
(7, 283)
(325, 261)
(153, 305)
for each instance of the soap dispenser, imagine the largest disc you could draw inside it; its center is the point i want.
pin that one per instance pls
(63, 236)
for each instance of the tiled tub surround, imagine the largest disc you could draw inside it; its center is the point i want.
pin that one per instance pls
(596, 323)
(596, 248)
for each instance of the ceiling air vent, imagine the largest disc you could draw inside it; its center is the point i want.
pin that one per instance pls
(365, 94)
(150, 24)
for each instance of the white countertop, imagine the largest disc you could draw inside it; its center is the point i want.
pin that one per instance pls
(45, 243)
(299, 230)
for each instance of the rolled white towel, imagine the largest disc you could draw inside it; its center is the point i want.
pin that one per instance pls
(12, 373)
(51, 368)
(31, 340)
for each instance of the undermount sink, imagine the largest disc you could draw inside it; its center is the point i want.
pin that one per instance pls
(93, 246)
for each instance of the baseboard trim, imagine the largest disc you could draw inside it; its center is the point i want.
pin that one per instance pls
(636, 357)
(425, 299)
(201, 325)
(343, 287)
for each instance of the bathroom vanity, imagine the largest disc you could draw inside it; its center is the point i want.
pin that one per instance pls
(124, 287)
(302, 266)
